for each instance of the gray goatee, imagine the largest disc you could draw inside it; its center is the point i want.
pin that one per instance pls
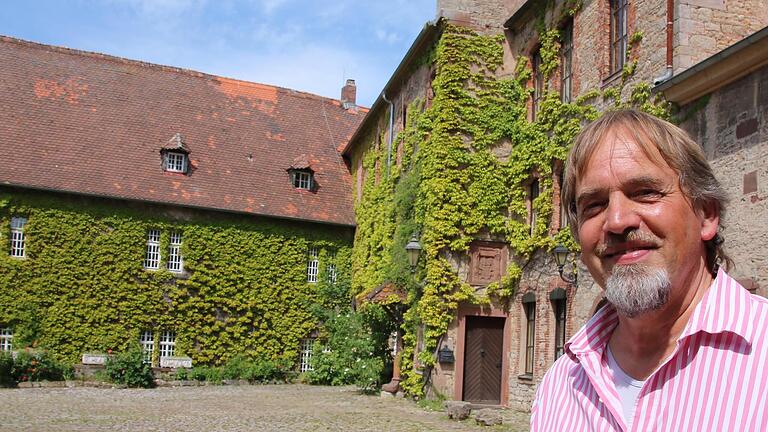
(635, 289)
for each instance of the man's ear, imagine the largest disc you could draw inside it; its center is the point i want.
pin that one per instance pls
(709, 214)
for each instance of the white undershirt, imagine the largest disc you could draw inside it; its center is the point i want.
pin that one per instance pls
(627, 387)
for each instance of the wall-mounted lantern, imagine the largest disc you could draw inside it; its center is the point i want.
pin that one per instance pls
(561, 254)
(445, 355)
(413, 249)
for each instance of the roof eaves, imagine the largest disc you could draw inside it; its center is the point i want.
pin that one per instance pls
(424, 38)
(521, 10)
(173, 204)
(727, 66)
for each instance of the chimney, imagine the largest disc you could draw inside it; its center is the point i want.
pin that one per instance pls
(349, 94)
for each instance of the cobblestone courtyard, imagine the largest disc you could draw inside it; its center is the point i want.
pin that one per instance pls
(224, 408)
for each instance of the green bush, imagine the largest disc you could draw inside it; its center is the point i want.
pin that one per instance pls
(241, 367)
(129, 368)
(6, 370)
(348, 356)
(38, 366)
(206, 373)
(181, 374)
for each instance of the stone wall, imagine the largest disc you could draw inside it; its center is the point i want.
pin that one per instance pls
(484, 16)
(541, 278)
(701, 29)
(733, 129)
(706, 27)
(416, 85)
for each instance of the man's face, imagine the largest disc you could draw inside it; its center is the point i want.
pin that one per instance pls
(633, 215)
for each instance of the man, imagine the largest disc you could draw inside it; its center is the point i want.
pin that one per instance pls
(680, 346)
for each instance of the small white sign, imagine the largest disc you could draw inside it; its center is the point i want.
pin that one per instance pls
(95, 359)
(175, 362)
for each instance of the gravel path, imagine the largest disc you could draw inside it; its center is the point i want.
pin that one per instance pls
(224, 408)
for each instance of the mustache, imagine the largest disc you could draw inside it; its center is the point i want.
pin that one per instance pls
(634, 237)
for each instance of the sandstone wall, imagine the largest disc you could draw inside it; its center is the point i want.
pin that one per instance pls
(733, 129)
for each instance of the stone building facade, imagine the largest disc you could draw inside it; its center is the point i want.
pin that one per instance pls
(647, 45)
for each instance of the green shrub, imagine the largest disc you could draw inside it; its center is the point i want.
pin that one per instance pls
(6, 370)
(38, 366)
(181, 374)
(129, 368)
(348, 356)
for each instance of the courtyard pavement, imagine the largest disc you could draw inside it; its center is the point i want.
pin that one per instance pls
(288, 407)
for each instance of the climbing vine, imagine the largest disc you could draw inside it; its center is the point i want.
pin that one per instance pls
(83, 288)
(467, 161)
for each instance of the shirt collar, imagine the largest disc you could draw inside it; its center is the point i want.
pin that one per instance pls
(726, 307)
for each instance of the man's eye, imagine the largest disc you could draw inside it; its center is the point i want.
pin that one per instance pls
(590, 208)
(648, 194)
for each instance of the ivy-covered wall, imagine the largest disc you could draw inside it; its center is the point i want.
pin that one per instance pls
(468, 158)
(82, 286)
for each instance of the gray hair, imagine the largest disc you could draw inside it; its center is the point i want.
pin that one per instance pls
(663, 143)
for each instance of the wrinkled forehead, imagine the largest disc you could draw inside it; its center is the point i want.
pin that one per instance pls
(624, 141)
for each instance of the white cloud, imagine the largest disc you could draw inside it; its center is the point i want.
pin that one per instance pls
(269, 6)
(388, 37)
(161, 8)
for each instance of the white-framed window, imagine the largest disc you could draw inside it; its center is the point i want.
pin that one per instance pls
(175, 162)
(175, 260)
(313, 263)
(17, 237)
(147, 342)
(559, 306)
(152, 258)
(618, 40)
(566, 63)
(302, 179)
(305, 358)
(538, 84)
(530, 334)
(6, 339)
(563, 205)
(330, 269)
(167, 343)
(533, 193)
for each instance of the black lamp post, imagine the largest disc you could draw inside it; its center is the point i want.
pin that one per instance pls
(561, 254)
(413, 249)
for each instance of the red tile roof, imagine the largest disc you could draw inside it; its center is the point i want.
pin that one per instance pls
(94, 124)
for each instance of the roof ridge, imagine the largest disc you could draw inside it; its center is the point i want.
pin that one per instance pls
(162, 67)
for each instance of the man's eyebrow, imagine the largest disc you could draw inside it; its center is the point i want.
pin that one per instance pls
(641, 180)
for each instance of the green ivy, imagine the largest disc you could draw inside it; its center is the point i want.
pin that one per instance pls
(83, 288)
(451, 187)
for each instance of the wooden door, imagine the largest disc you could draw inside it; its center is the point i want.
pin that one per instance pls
(483, 351)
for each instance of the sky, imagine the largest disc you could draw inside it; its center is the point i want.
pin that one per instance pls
(307, 45)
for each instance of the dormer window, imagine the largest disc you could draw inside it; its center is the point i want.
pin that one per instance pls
(175, 162)
(175, 155)
(302, 179)
(302, 174)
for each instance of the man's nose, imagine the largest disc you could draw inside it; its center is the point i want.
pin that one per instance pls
(620, 215)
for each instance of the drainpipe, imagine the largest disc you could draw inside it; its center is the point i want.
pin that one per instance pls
(391, 127)
(670, 31)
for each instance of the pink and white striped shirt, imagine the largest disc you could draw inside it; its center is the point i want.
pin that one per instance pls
(716, 380)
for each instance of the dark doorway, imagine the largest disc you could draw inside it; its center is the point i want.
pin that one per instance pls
(483, 351)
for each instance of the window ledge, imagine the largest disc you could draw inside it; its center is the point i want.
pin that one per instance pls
(525, 377)
(611, 79)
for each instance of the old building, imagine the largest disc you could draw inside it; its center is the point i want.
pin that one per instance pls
(487, 293)
(196, 214)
